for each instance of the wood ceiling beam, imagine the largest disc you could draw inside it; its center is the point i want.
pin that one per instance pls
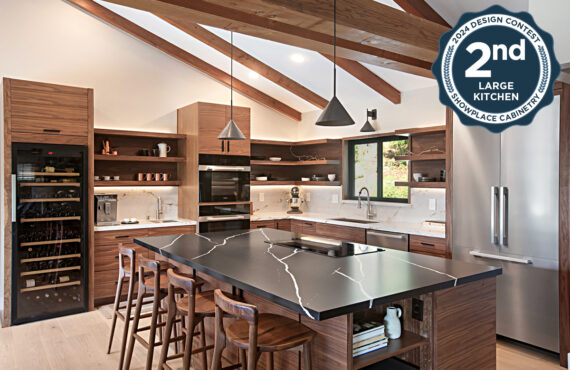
(422, 9)
(369, 78)
(174, 51)
(249, 61)
(257, 18)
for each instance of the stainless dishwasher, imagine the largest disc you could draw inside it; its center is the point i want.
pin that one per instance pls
(387, 239)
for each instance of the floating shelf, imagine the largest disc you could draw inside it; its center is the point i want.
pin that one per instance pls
(428, 184)
(75, 184)
(421, 130)
(50, 286)
(293, 182)
(405, 343)
(296, 143)
(60, 257)
(46, 242)
(136, 158)
(143, 134)
(137, 183)
(45, 219)
(63, 174)
(35, 200)
(48, 271)
(421, 157)
(296, 163)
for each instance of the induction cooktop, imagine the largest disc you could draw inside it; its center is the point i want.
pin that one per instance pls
(325, 246)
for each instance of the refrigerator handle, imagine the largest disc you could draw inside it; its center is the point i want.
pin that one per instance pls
(504, 216)
(14, 204)
(494, 197)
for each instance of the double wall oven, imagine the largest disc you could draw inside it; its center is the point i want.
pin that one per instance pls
(224, 192)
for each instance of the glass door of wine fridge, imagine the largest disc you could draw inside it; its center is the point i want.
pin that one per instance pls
(50, 231)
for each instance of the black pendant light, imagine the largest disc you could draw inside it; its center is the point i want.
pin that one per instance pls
(367, 125)
(231, 131)
(334, 114)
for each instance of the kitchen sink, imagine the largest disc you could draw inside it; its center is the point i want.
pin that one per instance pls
(162, 221)
(354, 220)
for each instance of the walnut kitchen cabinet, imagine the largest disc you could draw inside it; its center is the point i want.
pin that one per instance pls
(268, 224)
(429, 245)
(284, 225)
(344, 233)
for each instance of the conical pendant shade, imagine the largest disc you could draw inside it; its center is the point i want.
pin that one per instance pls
(334, 115)
(231, 132)
(367, 127)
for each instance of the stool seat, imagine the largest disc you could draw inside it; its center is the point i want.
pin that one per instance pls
(149, 282)
(274, 333)
(204, 303)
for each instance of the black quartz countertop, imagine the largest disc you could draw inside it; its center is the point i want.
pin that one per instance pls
(317, 286)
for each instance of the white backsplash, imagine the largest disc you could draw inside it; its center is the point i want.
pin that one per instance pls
(320, 199)
(142, 202)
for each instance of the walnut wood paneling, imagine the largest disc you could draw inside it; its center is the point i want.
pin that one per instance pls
(332, 347)
(428, 245)
(465, 326)
(449, 181)
(345, 233)
(187, 124)
(284, 225)
(269, 224)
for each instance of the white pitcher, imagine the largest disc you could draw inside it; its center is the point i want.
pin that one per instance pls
(392, 326)
(163, 149)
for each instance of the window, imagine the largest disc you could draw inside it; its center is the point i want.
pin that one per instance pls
(372, 164)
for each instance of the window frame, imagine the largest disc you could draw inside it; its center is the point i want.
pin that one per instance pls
(380, 140)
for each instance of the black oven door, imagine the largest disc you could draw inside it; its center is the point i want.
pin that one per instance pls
(224, 217)
(224, 183)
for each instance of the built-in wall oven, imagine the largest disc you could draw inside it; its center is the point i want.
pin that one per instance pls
(222, 217)
(223, 178)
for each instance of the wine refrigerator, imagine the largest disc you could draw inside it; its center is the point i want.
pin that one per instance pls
(49, 231)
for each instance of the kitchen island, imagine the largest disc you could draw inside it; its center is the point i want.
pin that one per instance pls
(449, 306)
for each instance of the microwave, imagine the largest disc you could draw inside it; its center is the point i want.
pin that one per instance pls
(224, 179)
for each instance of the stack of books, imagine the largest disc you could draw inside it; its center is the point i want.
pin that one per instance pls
(367, 337)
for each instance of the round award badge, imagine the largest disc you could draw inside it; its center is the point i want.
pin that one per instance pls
(496, 68)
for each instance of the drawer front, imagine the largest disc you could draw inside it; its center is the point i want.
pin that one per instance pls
(344, 233)
(284, 225)
(107, 256)
(428, 245)
(296, 226)
(263, 224)
(114, 237)
(105, 286)
(309, 227)
(172, 230)
(49, 126)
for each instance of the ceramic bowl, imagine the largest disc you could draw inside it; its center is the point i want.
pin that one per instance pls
(274, 159)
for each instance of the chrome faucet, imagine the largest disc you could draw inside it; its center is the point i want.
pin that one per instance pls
(159, 211)
(369, 212)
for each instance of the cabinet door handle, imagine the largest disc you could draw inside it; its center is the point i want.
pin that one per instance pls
(504, 216)
(494, 197)
(308, 224)
(222, 145)
(427, 244)
(52, 130)
(121, 236)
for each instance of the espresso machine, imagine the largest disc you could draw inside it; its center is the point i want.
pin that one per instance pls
(295, 201)
(105, 209)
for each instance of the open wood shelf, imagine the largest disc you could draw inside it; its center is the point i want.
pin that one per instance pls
(405, 343)
(46, 242)
(296, 143)
(63, 174)
(421, 157)
(427, 184)
(221, 203)
(294, 182)
(45, 219)
(74, 184)
(296, 163)
(136, 158)
(49, 271)
(50, 286)
(35, 200)
(60, 257)
(137, 183)
(145, 134)
(420, 130)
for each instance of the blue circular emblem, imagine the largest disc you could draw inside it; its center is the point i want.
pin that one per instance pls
(496, 68)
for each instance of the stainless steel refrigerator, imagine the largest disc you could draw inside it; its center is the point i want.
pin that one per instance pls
(505, 213)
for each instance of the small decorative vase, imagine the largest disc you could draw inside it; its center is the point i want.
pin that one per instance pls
(392, 326)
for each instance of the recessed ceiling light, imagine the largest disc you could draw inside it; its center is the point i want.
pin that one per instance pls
(254, 75)
(297, 58)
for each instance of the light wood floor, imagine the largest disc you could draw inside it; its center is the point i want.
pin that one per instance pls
(80, 342)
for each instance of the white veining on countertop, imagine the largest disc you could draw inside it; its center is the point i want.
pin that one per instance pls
(220, 244)
(171, 243)
(424, 267)
(144, 224)
(359, 281)
(280, 260)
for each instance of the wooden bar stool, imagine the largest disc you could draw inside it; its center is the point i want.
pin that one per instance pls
(150, 285)
(195, 307)
(125, 272)
(257, 333)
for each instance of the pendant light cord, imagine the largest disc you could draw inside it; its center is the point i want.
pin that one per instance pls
(334, 49)
(232, 75)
